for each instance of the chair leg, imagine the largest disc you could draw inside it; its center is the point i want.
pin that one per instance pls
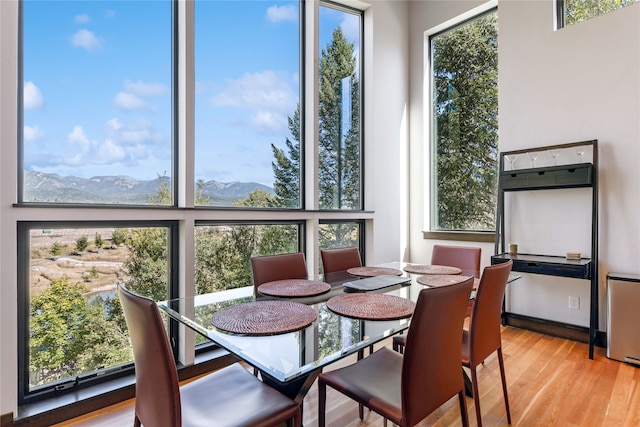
(504, 384)
(464, 415)
(136, 422)
(361, 411)
(322, 400)
(476, 395)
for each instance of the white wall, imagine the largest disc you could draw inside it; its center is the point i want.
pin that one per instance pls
(575, 84)
(8, 290)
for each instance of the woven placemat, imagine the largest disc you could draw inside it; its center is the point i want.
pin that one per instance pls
(432, 269)
(367, 306)
(294, 288)
(264, 317)
(373, 271)
(437, 280)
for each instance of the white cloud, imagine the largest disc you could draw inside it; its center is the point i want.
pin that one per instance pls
(268, 121)
(129, 101)
(86, 40)
(31, 134)
(82, 19)
(277, 14)
(32, 97)
(141, 88)
(265, 90)
(132, 97)
(78, 136)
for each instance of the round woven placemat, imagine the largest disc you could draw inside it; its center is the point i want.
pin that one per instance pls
(371, 306)
(432, 269)
(437, 280)
(264, 318)
(373, 271)
(294, 288)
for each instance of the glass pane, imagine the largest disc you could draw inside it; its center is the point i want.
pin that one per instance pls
(223, 252)
(76, 325)
(580, 10)
(339, 235)
(97, 119)
(247, 113)
(465, 138)
(339, 110)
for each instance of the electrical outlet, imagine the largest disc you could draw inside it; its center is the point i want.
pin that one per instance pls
(574, 302)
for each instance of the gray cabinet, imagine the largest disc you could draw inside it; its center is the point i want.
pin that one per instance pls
(623, 317)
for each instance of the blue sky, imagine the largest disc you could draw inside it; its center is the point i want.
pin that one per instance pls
(97, 85)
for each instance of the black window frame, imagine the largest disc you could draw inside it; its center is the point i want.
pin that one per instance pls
(28, 395)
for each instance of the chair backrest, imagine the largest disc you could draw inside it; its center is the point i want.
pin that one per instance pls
(157, 392)
(340, 259)
(465, 258)
(484, 325)
(431, 369)
(278, 267)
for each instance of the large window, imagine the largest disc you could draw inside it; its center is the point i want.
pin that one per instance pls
(97, 119)
(571, 12)
(116, 95)
(247, 113)
(464, 82)
(224, 251)
(73, 331)
(339, 110)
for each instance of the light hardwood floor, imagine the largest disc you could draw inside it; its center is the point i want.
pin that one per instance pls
(551, 382)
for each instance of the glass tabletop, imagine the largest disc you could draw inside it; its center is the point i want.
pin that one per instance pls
(289, 356)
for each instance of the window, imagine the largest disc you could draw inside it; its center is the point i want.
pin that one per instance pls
(224, 251)
(339, 110)
(97, 122)
(464, 137)
(114, 95)
(73, 331)
(247, 125)
(574, 11)
(341, 234)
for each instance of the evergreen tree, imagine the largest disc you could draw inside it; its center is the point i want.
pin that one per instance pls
(465, 71)
(339, 136)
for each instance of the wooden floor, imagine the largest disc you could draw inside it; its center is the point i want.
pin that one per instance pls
(551, 382)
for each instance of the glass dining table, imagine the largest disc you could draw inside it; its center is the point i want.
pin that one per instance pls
(291, 361)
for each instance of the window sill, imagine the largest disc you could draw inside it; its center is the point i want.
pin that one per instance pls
(461, 236)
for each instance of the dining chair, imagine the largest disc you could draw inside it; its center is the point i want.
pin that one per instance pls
(406, 388)
(466, 258)
(483, 336)
(209, 400)
(269, 268)
(340, 259)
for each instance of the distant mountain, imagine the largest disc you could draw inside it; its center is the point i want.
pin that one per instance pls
(46, 187)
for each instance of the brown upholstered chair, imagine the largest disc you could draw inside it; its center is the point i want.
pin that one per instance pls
(406, 388)
(483, 336)
(269, 268)
(209, 400)
(466, 258)
(340, 259)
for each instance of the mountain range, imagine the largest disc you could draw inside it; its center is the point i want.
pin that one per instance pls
(47, 187)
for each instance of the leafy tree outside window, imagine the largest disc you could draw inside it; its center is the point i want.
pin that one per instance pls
(465, 125)
(574, 11)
